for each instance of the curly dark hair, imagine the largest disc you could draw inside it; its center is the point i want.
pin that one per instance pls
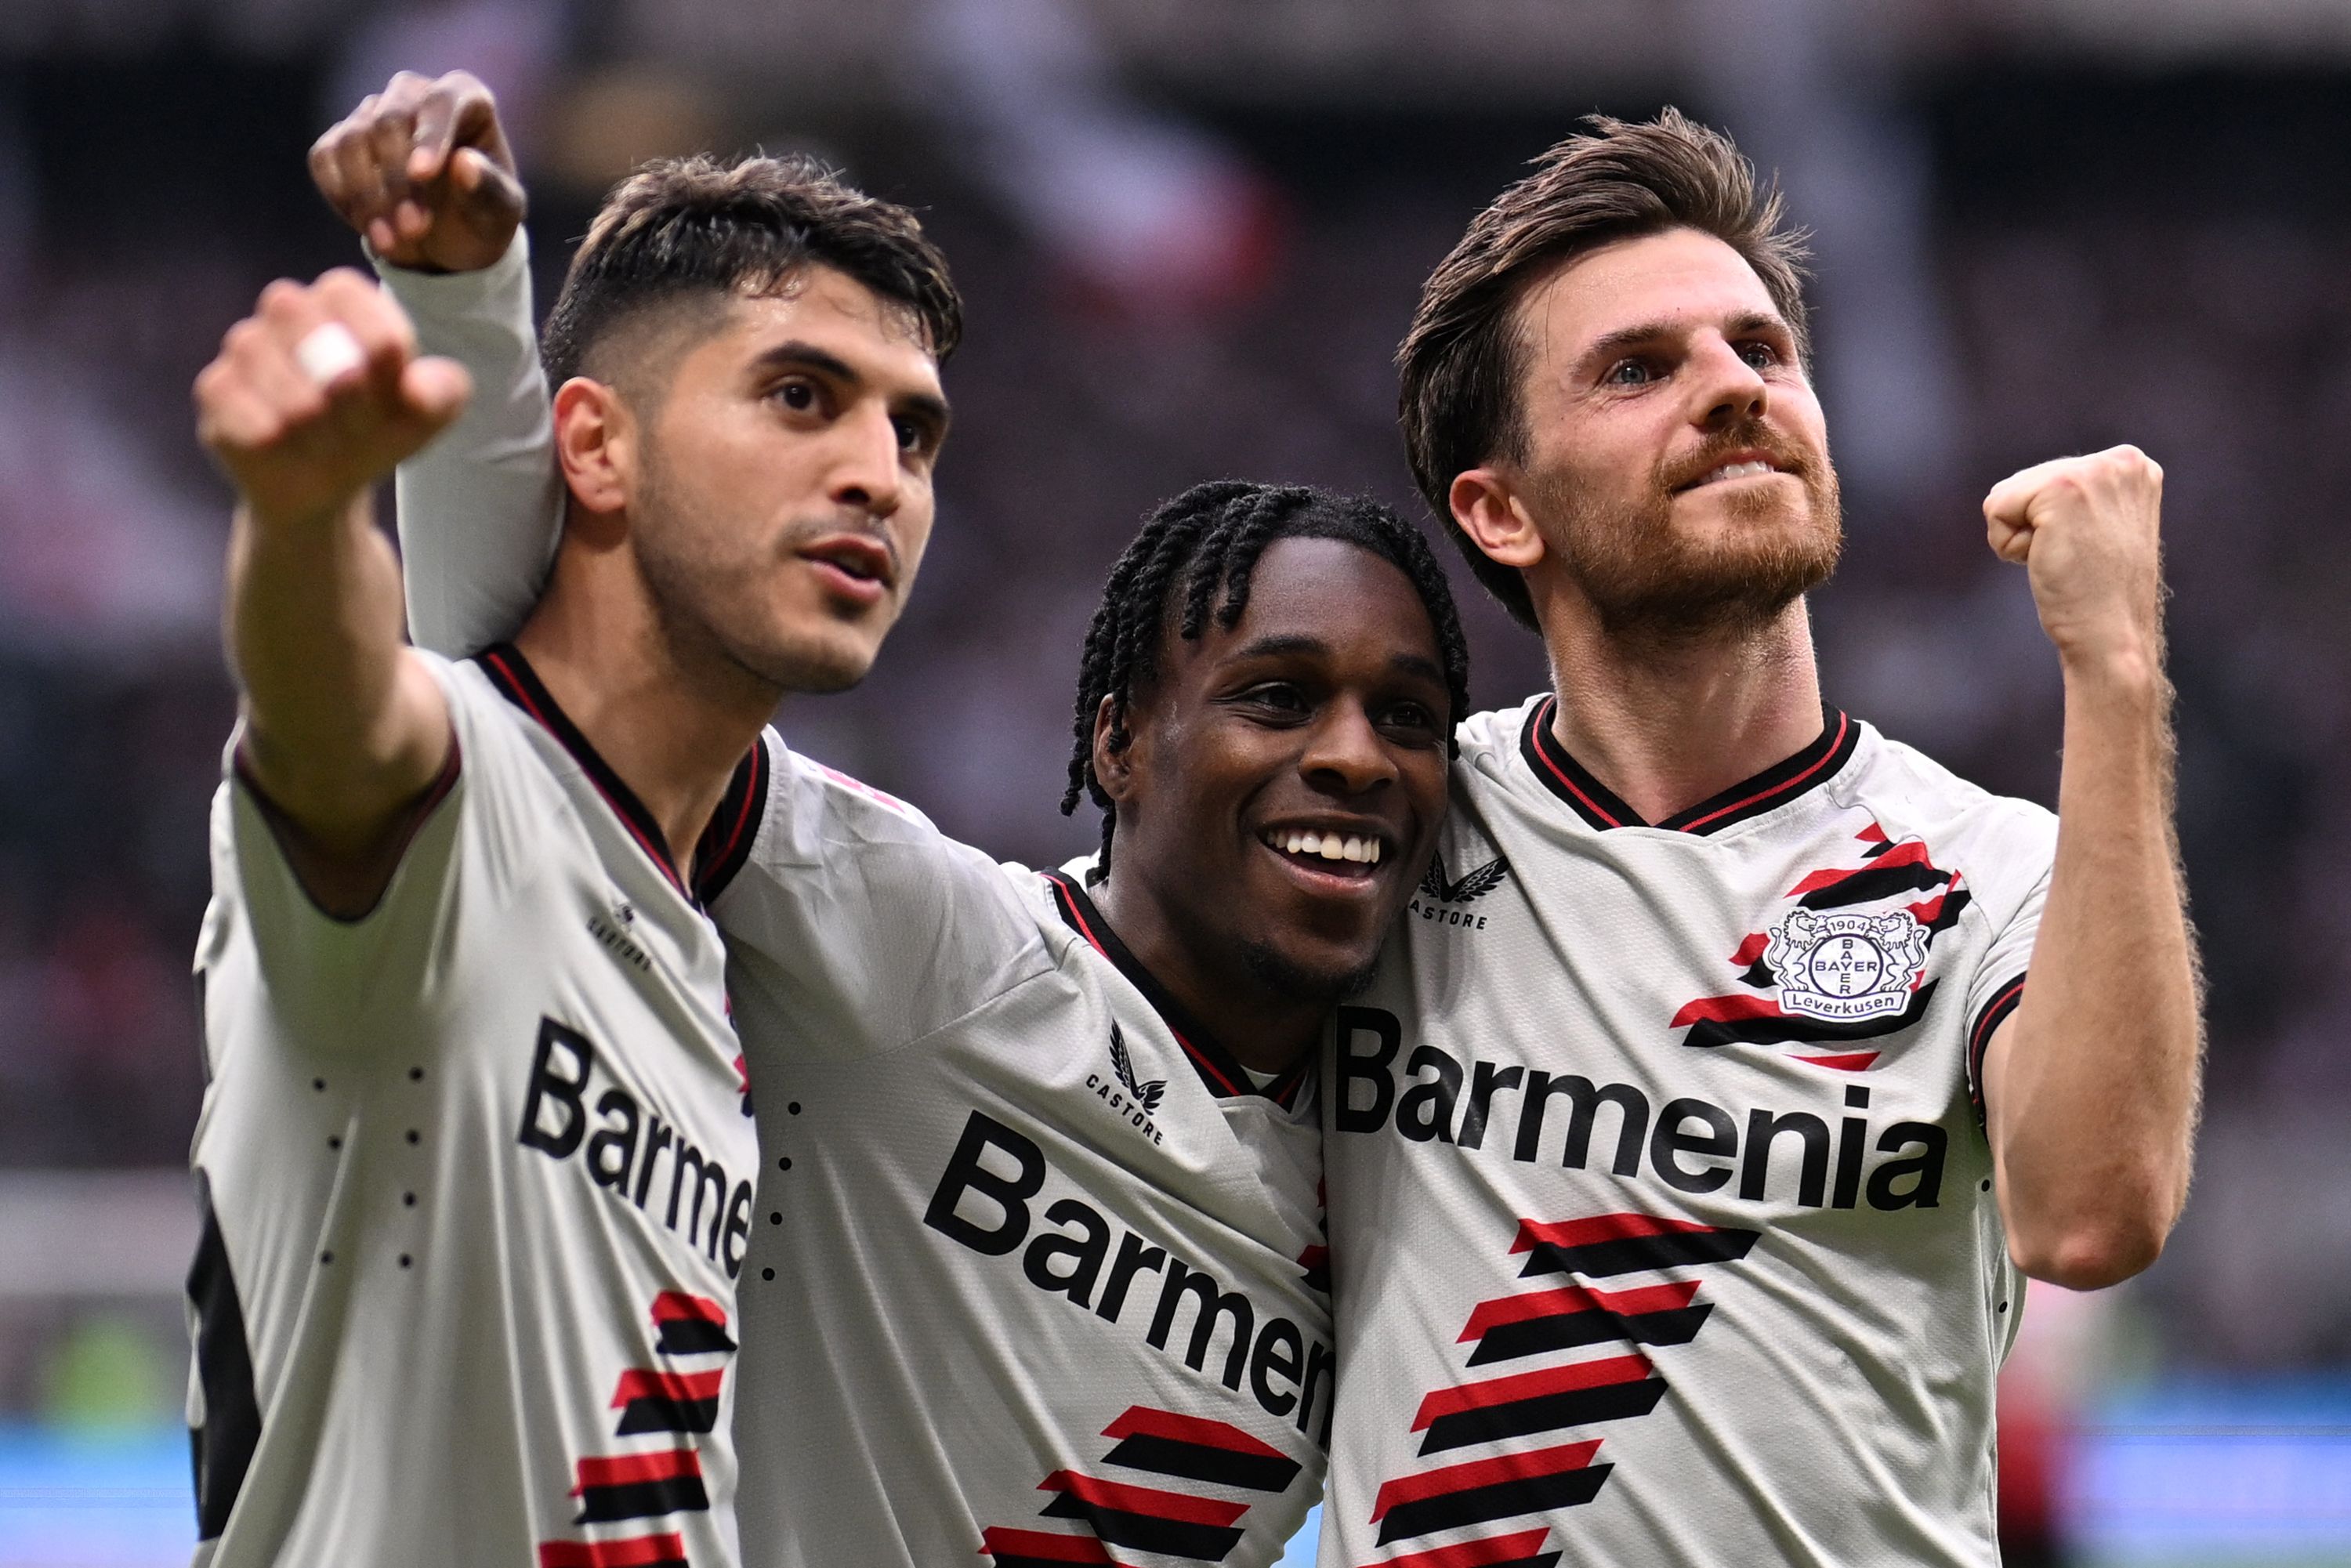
(682, 227)
(1204, 545)
(1463, 359)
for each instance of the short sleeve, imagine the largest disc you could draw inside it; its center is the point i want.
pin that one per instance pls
(362, 978)
(1997, 983)
(856, 926)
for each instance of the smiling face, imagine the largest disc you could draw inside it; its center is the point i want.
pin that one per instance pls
(781, 497)
(1319, 719)
(1676, 466)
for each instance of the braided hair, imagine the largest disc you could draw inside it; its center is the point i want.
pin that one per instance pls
(1205, 542)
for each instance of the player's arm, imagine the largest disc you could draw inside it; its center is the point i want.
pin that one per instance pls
(2092, 1085)
(311, 403)
(424, 172)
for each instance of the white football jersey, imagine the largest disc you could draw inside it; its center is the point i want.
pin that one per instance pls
(1038, 1276)
(1661, 1207)
(476, 1171)
(1039, 1273)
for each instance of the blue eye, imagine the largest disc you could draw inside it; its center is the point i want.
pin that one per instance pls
(1761, 356)
(1627, 373)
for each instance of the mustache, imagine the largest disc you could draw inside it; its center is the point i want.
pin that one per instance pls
(850, 520)
(1746, 437)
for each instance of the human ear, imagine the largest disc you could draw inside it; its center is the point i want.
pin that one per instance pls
(1487, 508)
(1113, 751)
(596, 444)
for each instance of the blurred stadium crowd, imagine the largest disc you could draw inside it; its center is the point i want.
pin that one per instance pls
(1177, 269)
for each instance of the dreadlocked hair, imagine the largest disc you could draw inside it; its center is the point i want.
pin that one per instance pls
(1204, 546)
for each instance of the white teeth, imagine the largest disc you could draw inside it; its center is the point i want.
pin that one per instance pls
(1333, 847)
(1306, 844)
(1737, 471)
(1357, 852)
(1328, 846)
(1373, 852)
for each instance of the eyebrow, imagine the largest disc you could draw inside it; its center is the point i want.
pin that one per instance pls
(1646, 332)
(796, 354)
(1297, 642)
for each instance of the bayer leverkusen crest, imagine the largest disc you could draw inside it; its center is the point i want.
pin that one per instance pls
(1847, 967)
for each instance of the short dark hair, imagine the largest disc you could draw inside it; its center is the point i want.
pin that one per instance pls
(685, 226)
(1462, 362)
(1209, 539)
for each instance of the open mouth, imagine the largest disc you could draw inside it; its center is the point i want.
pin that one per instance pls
(1327, 852)
(861, 565)
(1741, 468)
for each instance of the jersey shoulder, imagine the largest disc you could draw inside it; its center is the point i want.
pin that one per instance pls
(2004, 844)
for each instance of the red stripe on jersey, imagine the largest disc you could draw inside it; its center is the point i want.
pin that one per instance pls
(639, 1385)
(671, 1306)
(638, 1551)
(1037, 1543)
(1852, 1061)
(1531, 1385)
(1726, 1010)
(1602, 1228)
(1149, 1502)
(668, 1465)
(1914, 853)
(1752, 949)
(1872, 834)
(1992, 1008)
(1477, 1553)
(1783, 788)
(1141, 1420)
(1519, 1309)
(1484, 1473)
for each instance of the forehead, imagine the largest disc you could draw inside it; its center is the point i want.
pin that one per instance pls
(824, 307)
(1347, 602)
(1679, 278)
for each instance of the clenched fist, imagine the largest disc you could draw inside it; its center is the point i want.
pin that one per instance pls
(320, 393)
(422, 170)
(2088, 531)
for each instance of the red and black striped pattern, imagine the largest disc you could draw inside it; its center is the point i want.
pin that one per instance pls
(1157, 1518)
(1555, 1396)
(646, 1484)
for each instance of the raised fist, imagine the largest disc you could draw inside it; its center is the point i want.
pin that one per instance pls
(2088, 531)
(422, 170)
(318, 394)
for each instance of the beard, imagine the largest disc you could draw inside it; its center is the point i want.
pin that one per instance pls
(698, 597)
(1649, 581)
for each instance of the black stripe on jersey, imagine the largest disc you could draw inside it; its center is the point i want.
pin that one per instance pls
(1989, 1017)
(1199, 1539)
(222, 1448)
(643, 1500)
(1501, 1499)
(1220, 1073)
(1874, 881)
(1618, 1400)
(1199, 1462)
(1634, 1254)
(1787, 1028)
(1590, 1325)
(690, 1326)
(667, 1402)
(1602, 807)
(731, 828)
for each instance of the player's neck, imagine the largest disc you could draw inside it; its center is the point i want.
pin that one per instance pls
(1666, 723)
(672, 725)
(1267, 1029)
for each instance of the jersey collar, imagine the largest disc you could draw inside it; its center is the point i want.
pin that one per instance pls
(725, 842)
(1220, 1073)
(1777, 785)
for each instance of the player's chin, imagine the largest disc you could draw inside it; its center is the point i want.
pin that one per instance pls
(816, 657)
(1318, 971)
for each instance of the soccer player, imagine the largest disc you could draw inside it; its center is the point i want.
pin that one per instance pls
(1686, 1156)
(474, 1158)
(1037, 1274)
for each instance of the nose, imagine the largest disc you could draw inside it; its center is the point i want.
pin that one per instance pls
(1726, 389)
(1345, 754)
(868, 475)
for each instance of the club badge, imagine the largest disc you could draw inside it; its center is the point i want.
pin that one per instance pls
(1847, 967)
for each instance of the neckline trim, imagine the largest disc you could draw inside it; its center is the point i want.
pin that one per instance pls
(1601, 808)
(725, 841)
(1219, 1071)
